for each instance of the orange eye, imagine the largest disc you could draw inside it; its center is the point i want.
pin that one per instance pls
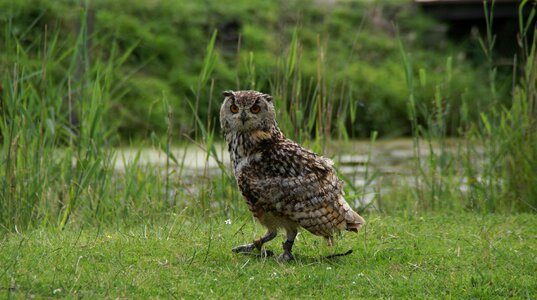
(234, 108)
(255, 109)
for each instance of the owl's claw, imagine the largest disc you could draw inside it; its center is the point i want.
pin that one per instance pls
(257, 244)
(286, 256)
(266, 253)
(248, 248)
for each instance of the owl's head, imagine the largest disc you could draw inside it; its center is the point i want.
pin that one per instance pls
(244, 111)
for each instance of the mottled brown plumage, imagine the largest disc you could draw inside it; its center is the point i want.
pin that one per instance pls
(284, 185)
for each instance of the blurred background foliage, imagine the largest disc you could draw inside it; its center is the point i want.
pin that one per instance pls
(157, 48)
(84, 83)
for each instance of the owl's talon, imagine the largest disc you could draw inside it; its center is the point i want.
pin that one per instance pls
(249, 248)
(244, 248)
(286, 256)
(287, 248)
(266, 253)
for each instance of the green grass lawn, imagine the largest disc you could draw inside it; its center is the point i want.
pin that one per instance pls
(451, 255)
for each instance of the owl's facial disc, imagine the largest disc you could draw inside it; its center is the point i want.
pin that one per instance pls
(246, 111)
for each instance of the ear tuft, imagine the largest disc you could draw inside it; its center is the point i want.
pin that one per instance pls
(228, 94)
(268, 97)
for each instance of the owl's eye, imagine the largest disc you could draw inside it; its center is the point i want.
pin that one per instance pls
(255, 108)
(234, 108)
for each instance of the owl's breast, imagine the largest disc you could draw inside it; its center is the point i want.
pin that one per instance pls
(247, 161)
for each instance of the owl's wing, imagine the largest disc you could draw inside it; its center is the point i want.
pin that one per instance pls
(300, 185)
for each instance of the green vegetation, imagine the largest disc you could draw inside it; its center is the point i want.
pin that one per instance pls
(453, 255)
(505, 178)
(78, 82)
(344, 55)
(60, 96)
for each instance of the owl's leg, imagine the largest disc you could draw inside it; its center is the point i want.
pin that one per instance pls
(288, 246)
(257, 244)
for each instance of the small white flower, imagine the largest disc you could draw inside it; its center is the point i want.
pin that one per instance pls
(228, 222)
(329, 268)
(354, 282)
(360, 275)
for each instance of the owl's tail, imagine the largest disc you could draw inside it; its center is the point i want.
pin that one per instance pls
(354, 220)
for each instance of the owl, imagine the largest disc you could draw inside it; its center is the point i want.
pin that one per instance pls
(284, 185)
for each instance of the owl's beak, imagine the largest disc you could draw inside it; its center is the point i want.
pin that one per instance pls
(244, 117)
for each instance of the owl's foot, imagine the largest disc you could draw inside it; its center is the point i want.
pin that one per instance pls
(266, 253)
(257, 244)
(286, 255)
(245, 248)
(249, 248)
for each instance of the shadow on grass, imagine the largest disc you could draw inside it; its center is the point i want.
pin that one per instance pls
(268, 255)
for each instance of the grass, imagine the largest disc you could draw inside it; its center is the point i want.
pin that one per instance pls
(506, 133)
(71, 225)
(58, 150)
(431, 256)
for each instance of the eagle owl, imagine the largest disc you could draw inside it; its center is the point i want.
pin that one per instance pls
(284, 185)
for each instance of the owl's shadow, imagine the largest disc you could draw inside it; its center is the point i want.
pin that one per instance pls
(266, 254)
